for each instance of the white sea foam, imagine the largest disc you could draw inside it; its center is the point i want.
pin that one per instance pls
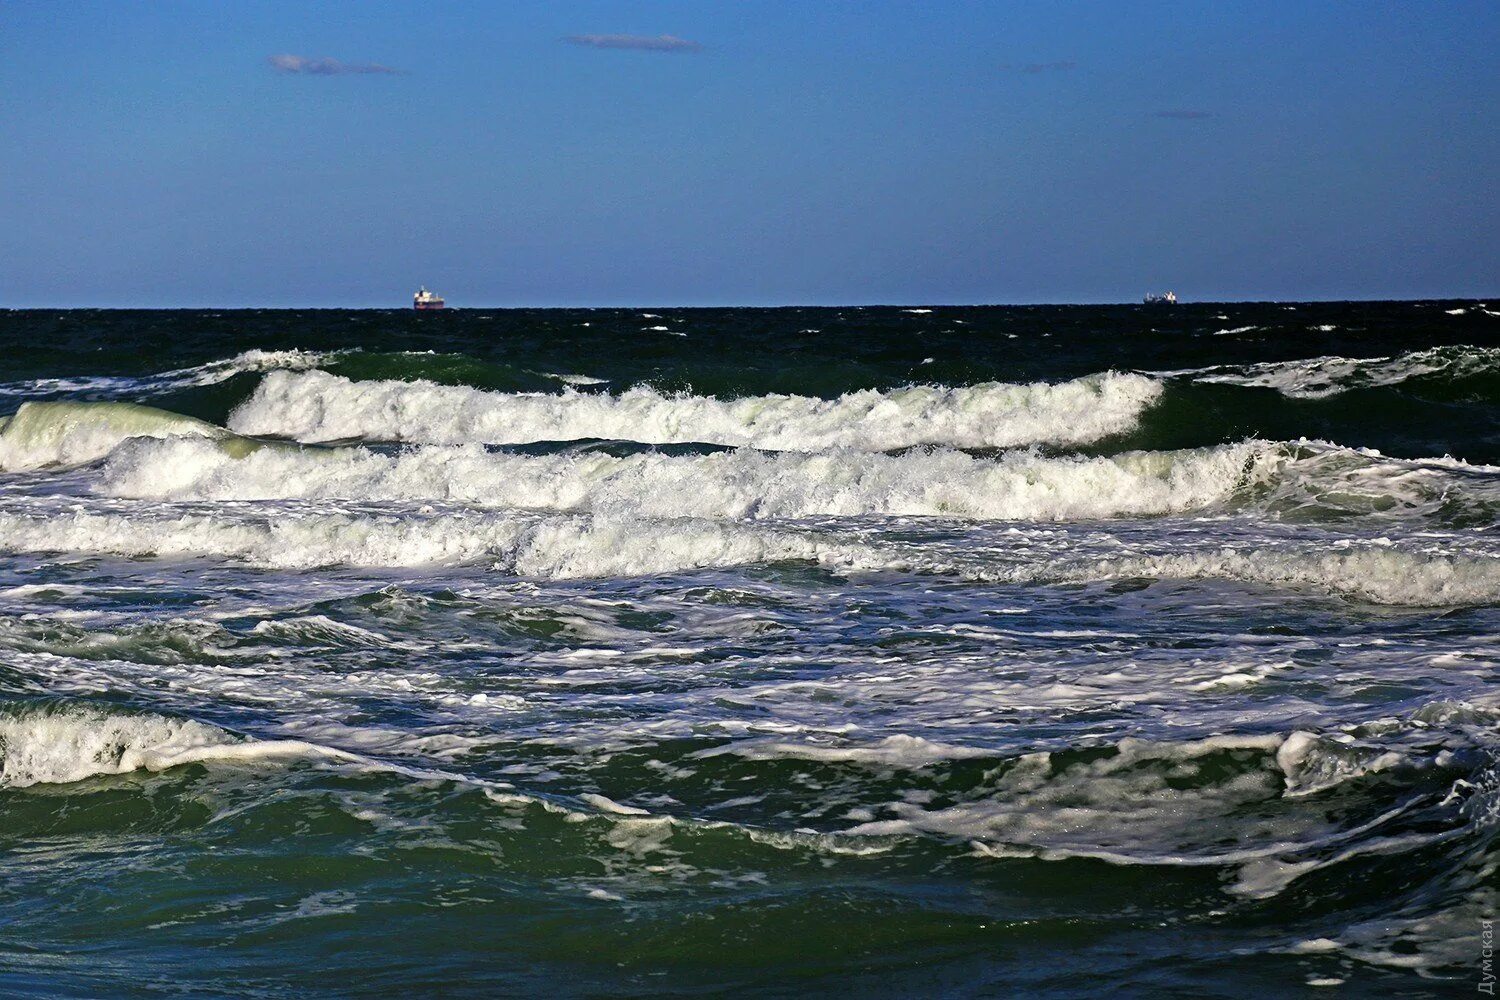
(53, 744)
(1312, 764)
(316, 406)
(1163, 803)
(746, 483)
(737, 484)
(1124, 806)
(568, 379)
(583, 545)
(1375, 573)
(1315, 378)
(526, 545)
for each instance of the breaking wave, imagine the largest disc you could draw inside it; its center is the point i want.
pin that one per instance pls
(736, 484)
(246, 362)
(39, 435)
(315, 406)
(60, 742)
(745, 483)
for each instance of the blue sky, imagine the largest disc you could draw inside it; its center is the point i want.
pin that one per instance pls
(153, 153)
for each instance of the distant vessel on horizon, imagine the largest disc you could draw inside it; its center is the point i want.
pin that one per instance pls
(1164, 299)
(426, 300)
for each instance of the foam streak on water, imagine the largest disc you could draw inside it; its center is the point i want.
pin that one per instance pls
(892, 651)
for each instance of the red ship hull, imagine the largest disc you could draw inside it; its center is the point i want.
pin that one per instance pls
(424, 306)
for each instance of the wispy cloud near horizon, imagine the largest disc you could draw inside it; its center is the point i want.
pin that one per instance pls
(1184, 114)
(1061, 65)
(324, 66)
(639, 43)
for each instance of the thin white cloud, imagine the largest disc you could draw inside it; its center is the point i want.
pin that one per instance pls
(1033, 68)
(323, 66)
(640, 43)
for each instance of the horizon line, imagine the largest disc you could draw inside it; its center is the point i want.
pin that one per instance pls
(782, 305)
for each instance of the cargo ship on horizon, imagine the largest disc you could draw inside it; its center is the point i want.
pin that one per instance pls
(424, 299)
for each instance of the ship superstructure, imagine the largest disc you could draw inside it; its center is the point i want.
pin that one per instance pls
(1164, 299)
(426, 300)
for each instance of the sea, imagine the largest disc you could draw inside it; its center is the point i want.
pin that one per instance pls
(1044, 651)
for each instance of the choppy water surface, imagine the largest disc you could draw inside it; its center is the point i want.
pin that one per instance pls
(966, 651)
